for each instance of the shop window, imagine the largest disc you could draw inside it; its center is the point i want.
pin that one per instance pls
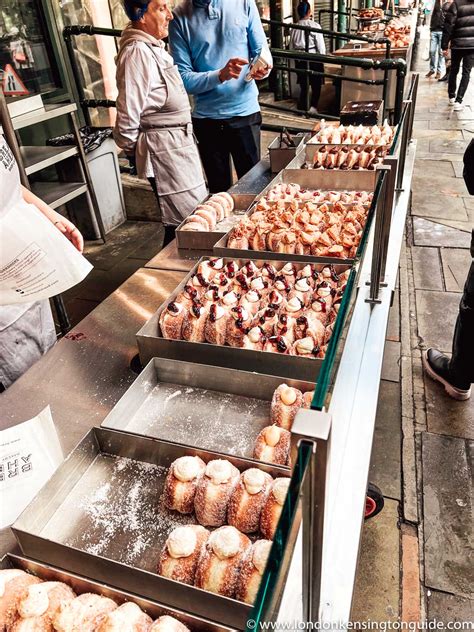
(26, 63)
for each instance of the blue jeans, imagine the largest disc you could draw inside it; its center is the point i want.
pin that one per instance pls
(435, 51)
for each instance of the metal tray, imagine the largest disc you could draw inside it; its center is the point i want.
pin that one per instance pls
(205, 239)
(281, 156)
(332, 179)
(312, 149)
(82, 585)
(289, 176)
(152, 344)
(101, 516)
(198, 405)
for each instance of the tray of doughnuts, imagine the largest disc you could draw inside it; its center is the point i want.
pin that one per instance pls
(209, 221)
(272, 317)
(109, 510)
(38, 597)
(228, 411)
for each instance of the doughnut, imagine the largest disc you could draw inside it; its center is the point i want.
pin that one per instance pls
(181, 552)
(272, 508)
(273, 445)
(213, 492)
(286, 402)
(247, 500)
(181, 483)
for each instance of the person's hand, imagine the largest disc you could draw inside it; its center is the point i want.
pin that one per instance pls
(260, 73)
(445, 53)
(232, 69)
(68, 229)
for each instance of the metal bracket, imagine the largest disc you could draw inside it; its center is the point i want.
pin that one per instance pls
(314, 427)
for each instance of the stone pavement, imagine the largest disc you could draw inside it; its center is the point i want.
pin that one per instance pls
(417, 556)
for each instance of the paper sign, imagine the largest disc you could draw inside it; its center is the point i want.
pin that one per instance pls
(12, 84)
(36, 259)
(29, 455)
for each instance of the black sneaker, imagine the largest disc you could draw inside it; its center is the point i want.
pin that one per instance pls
(436, 365)
(445, 78)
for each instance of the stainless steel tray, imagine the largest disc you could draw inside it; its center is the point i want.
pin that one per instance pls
(332, 179)
(82, 585)
(152, 344)
(198, 405)
(288, 176)
(100, 516)
(281, 156)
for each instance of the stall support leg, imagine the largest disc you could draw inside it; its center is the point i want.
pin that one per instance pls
(314, 427)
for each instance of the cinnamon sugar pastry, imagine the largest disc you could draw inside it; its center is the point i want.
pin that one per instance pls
(210, 268)
(254, 339)
(215, 328)
(310, 325)
(13, 583)
(171, 321)
(221, 560)
(194, 322)
(181, 483)
(126, 618)
(273, 445)
(83, 614)
(181, 553)
(307, 348)
(266, 319)
(285, 328)
(252, 570)
(276, 344)
(214, 491)
(237, 325)
(168, 624)
(251, 302)
(39, 604)
(247, 500)
(272, 510)
(286, 402)
(187, 296)
(308, 399)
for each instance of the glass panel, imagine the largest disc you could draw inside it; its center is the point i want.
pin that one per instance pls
(25, 50)
(273, 578)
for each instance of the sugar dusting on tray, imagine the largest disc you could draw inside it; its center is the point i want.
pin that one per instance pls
(123, 517)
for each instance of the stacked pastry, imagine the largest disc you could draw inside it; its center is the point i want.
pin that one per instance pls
(294, 221)
(371, 14)
(290, 311)
(208, 214)
(274, 441)
(398, 33)
(329, 134)
(28, 604)
(343, 157)
(223, 561)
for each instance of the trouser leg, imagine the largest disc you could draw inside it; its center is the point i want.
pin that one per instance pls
(453, 72)
(304, 85)
(169, 230)
(433, 48)
(441, 63)
(244, 144)
(467, 63)
(316, 84)
(462, 361)
(214, 152)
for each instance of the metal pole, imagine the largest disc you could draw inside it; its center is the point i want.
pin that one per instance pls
(313, 427)
(76, 75)
(10, 137)
(377, 251)
(399, 89)
(404, 140)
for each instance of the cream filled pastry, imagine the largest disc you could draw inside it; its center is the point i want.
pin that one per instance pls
(276, 344)
(273, 445)
(171, 321)
(181, 552)
(251, 302)
(168, 624)
(215, 328)
(308, 399)
(303, 290)
(285, 328)
(126, 618)
(219, 566)
(13, 584)
(266, 319)
(194, 322)
(181, 483)
(286, 402)
(272, 510)
(259, 284)
(252, 570)
(39, 604)
(247, 500)
(237, 325)
(310, 325)
(254, 339)
(306, 347)
(83, 614)
(214, 491)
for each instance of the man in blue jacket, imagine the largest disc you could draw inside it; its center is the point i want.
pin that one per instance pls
(212, 43)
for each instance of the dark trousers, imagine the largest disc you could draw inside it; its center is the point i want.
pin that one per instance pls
(467, 58)
(462, 361)
(169, 230)
(219, 139)
(315, 82)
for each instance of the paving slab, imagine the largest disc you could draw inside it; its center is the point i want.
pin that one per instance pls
(447, 504)
(449, 608)
(442, 206)
(385, 465)
(436, 315)
(391, 361)
(445, 134)
(426, 268)
(453, 124)
(424, 167)
(377, 590)
(448, 146)
(393, 329)
(456, 263)
(458, 169)
(428, 233)
(418, 125)
(465, 227)
(469, 203)
(447, 416)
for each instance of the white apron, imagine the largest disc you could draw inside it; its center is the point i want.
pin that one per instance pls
(26, 330)
(173, 151)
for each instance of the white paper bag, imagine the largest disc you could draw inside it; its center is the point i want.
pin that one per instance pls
(36, 260)
(29, 455)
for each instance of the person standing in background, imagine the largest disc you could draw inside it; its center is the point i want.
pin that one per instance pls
(437, 62)
(212, 42)
(316, 44)
(458, 32)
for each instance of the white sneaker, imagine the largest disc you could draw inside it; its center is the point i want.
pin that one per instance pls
(312, 110)
(452, 101)
(458, 107)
